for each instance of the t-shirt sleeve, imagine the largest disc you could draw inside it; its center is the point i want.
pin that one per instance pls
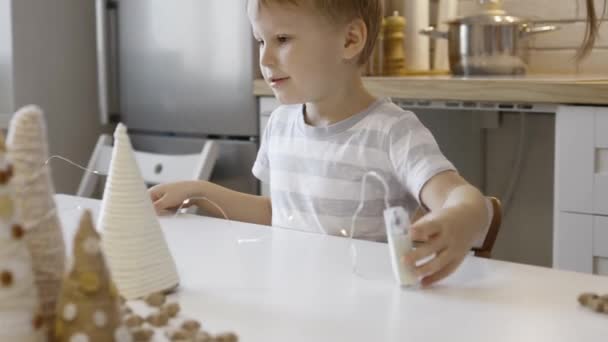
(261, 167)
(414, 154)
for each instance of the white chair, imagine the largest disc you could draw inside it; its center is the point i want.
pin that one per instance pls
(155, 168)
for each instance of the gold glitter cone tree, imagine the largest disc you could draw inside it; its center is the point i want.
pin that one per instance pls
(132, 239)
(20, 318)
(88, 308)
(28, 149)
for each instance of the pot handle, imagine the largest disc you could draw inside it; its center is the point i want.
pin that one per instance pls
(433, 33)
(528, 31)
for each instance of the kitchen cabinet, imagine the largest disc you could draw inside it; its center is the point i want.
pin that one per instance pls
(581, 188)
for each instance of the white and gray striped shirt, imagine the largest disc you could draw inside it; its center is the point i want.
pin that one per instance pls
(315, 173)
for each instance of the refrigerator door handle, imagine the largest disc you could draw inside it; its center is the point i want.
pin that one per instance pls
(107, 72)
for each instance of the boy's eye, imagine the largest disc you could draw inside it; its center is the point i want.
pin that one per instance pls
(260, 42)
(283, 39)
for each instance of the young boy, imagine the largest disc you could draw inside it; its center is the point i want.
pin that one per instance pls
(330, 131)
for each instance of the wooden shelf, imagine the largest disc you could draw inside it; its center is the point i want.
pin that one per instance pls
(533, 89)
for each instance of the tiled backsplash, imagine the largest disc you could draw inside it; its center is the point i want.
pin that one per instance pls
(555, 52)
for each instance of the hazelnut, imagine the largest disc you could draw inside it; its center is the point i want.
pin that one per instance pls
(171, 309)
(156, 299)
(203, 336)
(191, 325)
(158, 320)
(179, 335)
(134, 321)
(142, 334)
(227, 337)
(585, 298)
(596, 305)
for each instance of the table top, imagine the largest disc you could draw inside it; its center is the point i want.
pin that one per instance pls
(273, 284)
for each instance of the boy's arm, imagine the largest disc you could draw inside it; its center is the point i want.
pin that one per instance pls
(457, 218)
(238, 206)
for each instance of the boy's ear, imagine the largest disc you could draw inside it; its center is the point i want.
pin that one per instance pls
(354, 39)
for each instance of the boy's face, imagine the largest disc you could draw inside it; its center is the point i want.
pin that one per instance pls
(301, 52)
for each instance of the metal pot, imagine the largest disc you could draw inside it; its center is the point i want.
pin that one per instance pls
(487, 44)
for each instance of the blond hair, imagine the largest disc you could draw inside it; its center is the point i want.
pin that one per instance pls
(591, 30)
(370, 11)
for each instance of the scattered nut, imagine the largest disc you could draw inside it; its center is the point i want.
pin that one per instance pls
(191, 325)
(142, 334)
(134, 321)
(585, 298)
(596, 305)
(178, 335)
(227, 337)
(156, 299)
(203, 336)
(171, 309)
(158, 320)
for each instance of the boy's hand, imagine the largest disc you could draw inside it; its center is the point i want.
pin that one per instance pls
(169, 197)
(448, 242)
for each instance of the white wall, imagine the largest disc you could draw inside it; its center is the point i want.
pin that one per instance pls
(55, 68)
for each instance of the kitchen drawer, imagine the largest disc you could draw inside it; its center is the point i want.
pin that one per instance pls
(581, 159)
(600, 236)
(600, 266)
(573, 242)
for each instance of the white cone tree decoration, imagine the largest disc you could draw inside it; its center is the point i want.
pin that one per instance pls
(28, 148)
(88, 308)
(20, 318)
(132, 239)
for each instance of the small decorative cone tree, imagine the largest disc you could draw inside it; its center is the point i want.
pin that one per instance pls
(28, 148)
(20, 318)
(89, 308)
(136, 249)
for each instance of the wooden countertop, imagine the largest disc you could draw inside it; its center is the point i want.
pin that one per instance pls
(579, 90)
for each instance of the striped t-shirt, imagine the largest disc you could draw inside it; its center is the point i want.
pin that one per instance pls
(315, 173)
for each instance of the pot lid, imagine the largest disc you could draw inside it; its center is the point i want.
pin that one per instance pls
(489, 18)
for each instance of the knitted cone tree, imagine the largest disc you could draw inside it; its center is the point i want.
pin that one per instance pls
(88, 308)
(20, 319)
(28, 148)
(133, 241)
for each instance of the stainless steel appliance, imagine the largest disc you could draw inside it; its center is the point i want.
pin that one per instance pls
(489, 43)
(179, 72)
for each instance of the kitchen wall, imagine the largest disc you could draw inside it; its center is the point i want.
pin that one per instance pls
(55, 68)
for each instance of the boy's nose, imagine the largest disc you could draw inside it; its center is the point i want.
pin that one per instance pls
(267, 57)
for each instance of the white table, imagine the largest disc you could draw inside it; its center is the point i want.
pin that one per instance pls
(270, 284)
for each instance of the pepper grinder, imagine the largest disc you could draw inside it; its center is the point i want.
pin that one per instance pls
(394, 51)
